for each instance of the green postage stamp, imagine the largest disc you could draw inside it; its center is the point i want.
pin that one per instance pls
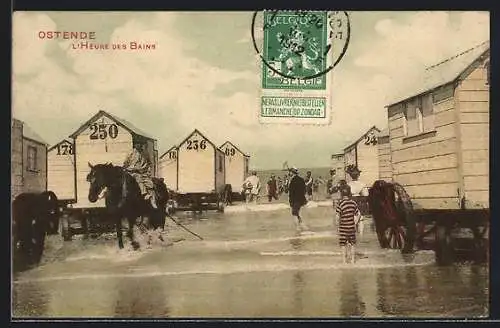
(295, 48)
(299, 50)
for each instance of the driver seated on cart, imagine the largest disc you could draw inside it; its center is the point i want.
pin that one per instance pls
(138, 165)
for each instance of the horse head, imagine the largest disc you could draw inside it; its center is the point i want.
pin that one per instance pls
(100, 179)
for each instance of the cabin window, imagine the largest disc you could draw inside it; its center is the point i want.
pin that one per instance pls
(412, 122)
(418, 115)
(32, 164)
(427, 110)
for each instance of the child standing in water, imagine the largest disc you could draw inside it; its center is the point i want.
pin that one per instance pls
(347, 211)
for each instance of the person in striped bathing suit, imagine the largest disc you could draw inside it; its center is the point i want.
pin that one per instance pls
(347, 212)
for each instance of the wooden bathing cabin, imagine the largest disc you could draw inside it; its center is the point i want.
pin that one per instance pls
(61, 171)
(28, 160)
(168, 167)
(236, 163)
(201, 165)
(338, 165)
(364, 154)
(105, 138)
(384, 155)
(439, 134)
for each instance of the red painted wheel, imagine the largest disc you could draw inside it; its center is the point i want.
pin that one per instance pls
(394, 237)
(392, 212)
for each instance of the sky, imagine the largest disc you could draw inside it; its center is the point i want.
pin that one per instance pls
(204, 74)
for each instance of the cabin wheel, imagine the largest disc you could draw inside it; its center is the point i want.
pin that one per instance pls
(394, 219)
(393, 237)
(30, 247)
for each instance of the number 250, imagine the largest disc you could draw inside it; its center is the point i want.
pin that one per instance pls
(99, 131)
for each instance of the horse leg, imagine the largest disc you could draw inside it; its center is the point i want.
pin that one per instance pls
(119, 232)
(130, 233)
(149, 227)
(161, 227)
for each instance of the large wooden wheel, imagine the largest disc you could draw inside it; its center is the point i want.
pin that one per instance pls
(28, 248)
(392, 212)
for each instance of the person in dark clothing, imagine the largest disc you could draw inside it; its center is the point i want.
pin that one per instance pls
(297, 195)
(272, 188)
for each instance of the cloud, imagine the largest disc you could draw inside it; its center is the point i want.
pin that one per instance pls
(173, 89)
(402, 50)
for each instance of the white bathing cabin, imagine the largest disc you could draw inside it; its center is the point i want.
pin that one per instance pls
(384, 154)
(61, 170)
(439, 134)
(364, 153)
(236, 166)
(28, 161)
(168, 167)
(105, 138)
(201, 165)
(338, 165)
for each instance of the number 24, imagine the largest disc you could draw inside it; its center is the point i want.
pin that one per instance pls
(370, 140)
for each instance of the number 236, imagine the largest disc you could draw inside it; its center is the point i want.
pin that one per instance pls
(196, 144)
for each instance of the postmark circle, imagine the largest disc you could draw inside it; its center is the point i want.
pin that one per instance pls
(291, 44)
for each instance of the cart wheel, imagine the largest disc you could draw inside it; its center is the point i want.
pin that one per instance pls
(29, 249)
(444, 246)
(400, 231)
(64, 228)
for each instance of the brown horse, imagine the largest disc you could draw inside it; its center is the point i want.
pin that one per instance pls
(124, 199)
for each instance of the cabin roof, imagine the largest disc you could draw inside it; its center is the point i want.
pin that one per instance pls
(30, 134)
(59, 143)
(168, 151)
(201, 134)
(232, 144)
(122, 122)
(443, 72)
(362, 136)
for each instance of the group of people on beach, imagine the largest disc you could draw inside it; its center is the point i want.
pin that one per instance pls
(300, 190)
(277, 186)
(347, 212)
(349, 219)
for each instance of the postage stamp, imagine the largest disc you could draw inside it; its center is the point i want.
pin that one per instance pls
(299, 52)
(294, 45)
(172, 165)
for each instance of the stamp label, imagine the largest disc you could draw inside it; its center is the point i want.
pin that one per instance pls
(298, 51)
(299, 107)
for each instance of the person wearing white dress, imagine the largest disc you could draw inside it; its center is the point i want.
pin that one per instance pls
(358, 188)
(252, 188)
